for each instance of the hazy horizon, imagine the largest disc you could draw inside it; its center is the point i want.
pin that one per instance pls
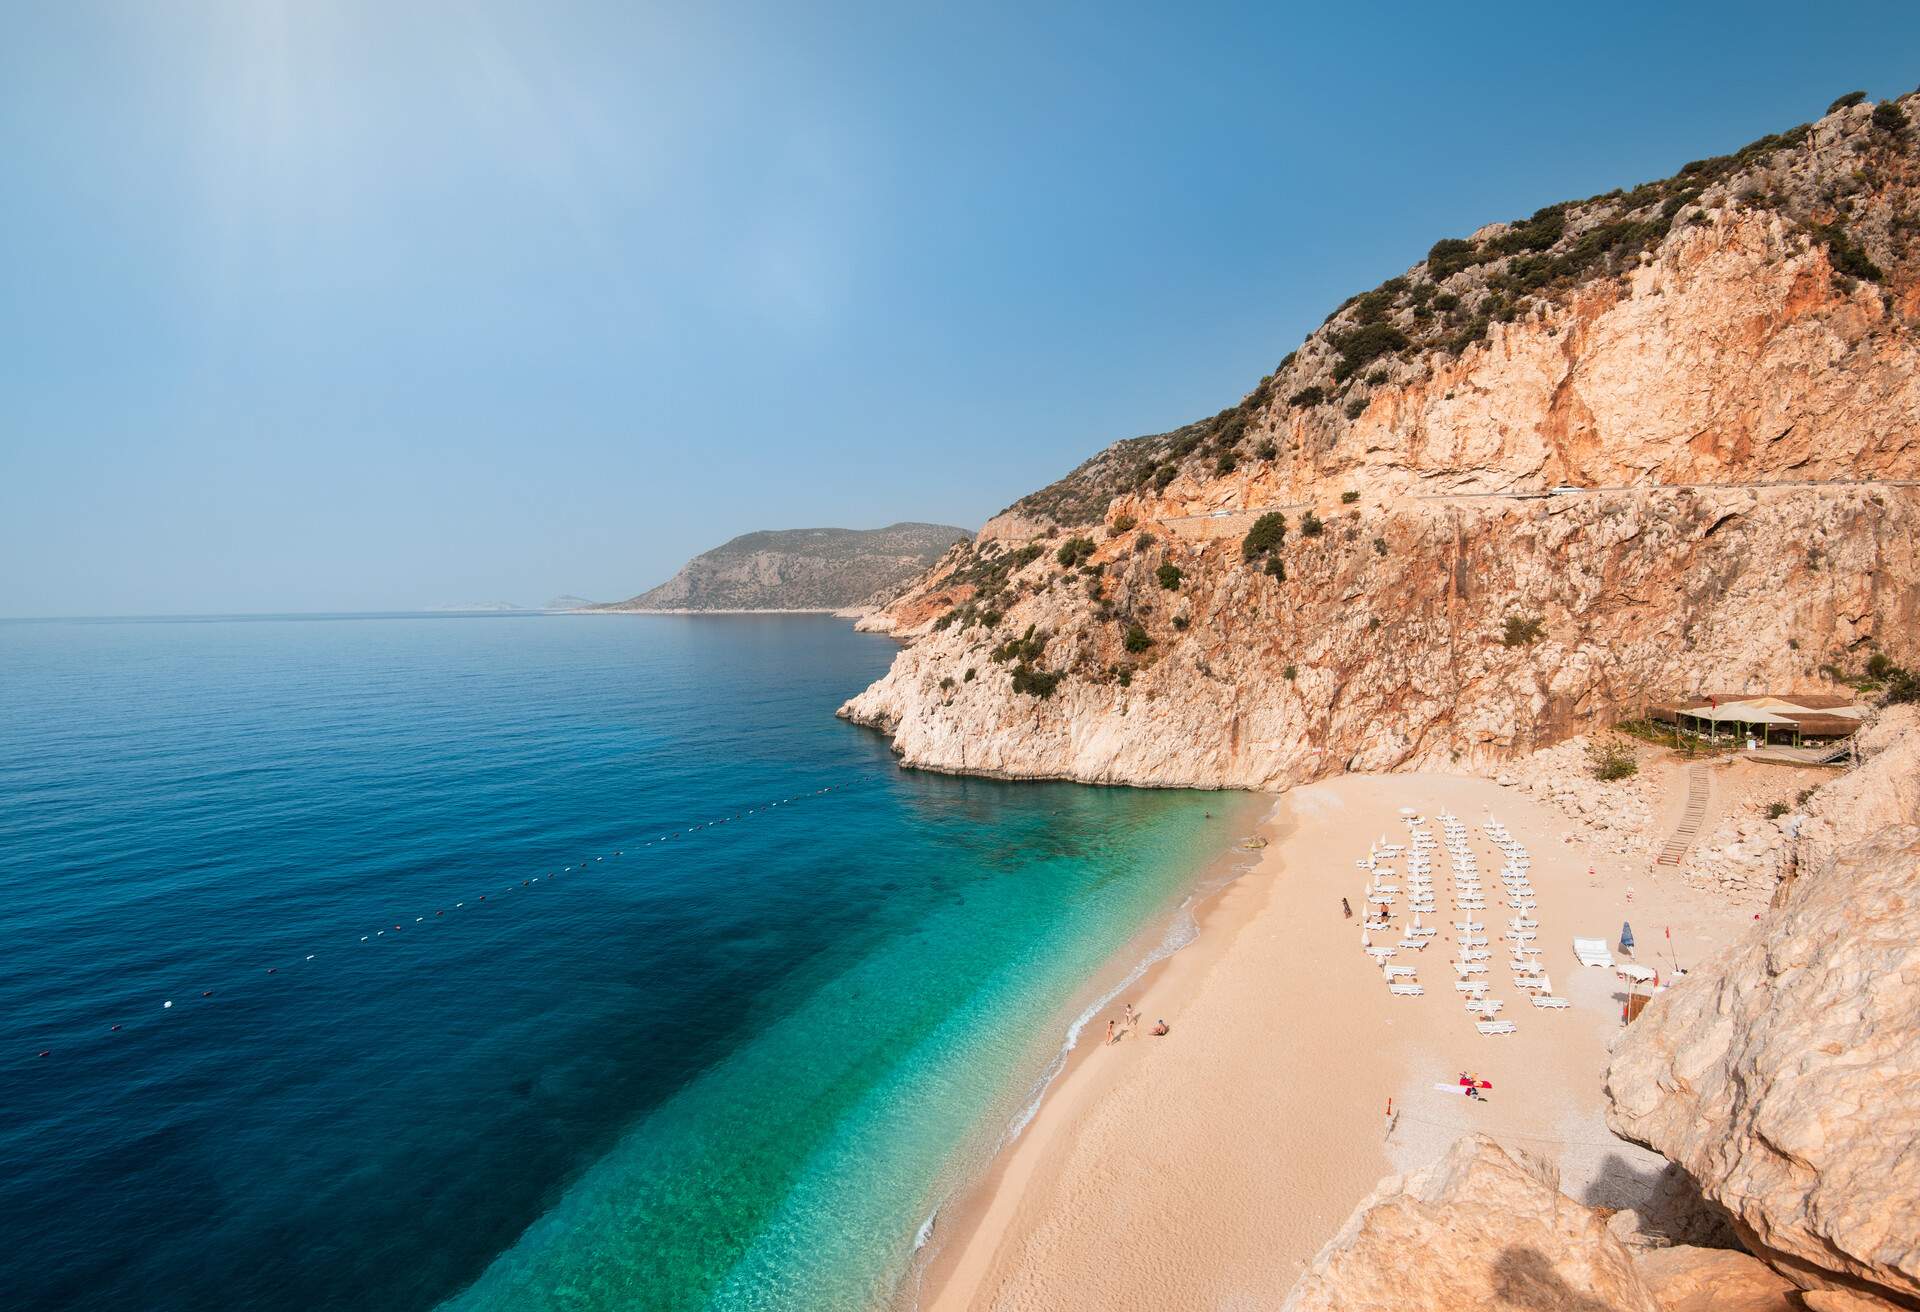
(369, 308)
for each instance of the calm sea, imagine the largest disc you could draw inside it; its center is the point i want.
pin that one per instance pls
(475, 1000)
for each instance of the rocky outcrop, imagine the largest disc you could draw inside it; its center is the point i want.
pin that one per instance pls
(1430, 605)
(1745, 855)
(801, 569)
(1477, 1229)
(1713, 1280)
(1618, 812)
(1884, 790)
(1784, 1076)
(1370, 659)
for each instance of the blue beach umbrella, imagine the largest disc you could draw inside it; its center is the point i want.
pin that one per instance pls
(1626, 937)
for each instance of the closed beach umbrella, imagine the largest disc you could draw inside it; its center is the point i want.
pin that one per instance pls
(1626, 937)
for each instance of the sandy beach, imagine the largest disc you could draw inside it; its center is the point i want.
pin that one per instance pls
(1206, 1167)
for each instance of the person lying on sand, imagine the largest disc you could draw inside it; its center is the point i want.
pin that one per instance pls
(1159, 1027)
(1346, 909)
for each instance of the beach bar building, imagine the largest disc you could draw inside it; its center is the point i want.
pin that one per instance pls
(1788, 720)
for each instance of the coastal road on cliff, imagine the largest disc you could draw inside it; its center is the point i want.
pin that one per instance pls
(1565, 492)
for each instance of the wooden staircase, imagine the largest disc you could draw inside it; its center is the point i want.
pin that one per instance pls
(1688, 830)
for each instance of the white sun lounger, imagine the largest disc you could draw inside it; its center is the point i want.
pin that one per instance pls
(1412, 944)
(1379, 954)
(1468, 926)
(1593, 952)
(1421, 931)
(1475, 954)
(1470, 986)
(1474, 940)
(1484, 1006)
(1405, 990)
(1470, 967)
(1496, 1027)
(1396, 972)
(1550, 1004)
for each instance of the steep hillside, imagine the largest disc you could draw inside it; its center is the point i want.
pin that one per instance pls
(1360, 565)
(800, 569)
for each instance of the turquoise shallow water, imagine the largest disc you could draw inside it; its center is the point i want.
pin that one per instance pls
(734, 1069)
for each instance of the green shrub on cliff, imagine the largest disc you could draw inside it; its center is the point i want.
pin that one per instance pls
(1363, 346)
(1073, 551)
(1522, 631)
(1169, 575)
(1035, 683)
(1267, 534)
(1137, 639)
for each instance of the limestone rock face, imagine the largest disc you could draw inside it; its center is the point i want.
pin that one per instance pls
(1784, 1075)
(1385, 646)
(1884, 790)
(1477, 1229)
(1713, 1280)
(1369, 661)
(1739, 419)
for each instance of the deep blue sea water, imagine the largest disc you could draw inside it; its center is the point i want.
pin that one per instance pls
(732, 1069)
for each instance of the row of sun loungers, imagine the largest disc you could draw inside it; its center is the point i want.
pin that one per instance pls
(1474, 954)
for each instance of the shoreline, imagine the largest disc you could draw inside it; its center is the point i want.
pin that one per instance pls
(1211, 1165)
(1127, 972)
(978, 1209)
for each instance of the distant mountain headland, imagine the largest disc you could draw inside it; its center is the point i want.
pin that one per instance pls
(570, 602)
(801, 569)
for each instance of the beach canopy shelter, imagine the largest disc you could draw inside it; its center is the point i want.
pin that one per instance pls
(1769, 717)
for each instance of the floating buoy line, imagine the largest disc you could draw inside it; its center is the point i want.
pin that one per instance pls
(585, 865)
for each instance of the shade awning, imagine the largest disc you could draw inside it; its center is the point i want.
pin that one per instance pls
(1740, 713)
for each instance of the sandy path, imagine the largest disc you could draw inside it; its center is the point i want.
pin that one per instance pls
(1206, 1168)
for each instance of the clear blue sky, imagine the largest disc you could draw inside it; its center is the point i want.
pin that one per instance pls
(311, 305)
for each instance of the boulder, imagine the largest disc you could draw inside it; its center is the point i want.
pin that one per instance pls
(1885, 789)
(1477, 1228)
(1784, 1075)
(1714, 1280)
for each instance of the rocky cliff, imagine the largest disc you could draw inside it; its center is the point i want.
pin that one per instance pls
(1784, 1075)
(801, 569)
(1482, 1229)
(1364, 564)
